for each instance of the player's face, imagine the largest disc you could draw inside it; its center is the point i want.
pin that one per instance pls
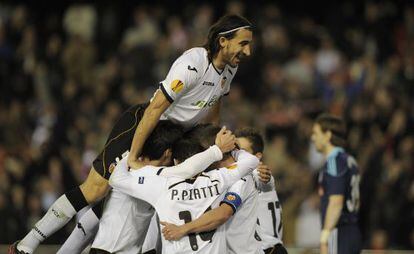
(245, 144)
(319, 138)
(237, 48)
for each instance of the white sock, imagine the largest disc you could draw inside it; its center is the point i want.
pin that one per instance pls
(58, 215)
(82, 235)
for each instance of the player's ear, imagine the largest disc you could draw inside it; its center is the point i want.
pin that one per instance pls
(223, 42)
(329, 135)
(176, 162)
(259, 155)
(167, 154)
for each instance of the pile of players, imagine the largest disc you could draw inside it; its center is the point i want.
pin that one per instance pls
(215, 199)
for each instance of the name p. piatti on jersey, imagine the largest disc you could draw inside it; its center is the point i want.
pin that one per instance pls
(196, 193)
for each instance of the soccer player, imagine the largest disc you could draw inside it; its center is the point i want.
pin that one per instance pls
(338, 188)
(268, 213)
(125, 220)
(190, 93)
(178, 201)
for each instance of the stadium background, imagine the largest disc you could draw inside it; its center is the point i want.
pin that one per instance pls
(67, 70)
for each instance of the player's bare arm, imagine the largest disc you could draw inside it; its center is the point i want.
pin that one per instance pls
(208, 221)
(147, 124)
(332, 216)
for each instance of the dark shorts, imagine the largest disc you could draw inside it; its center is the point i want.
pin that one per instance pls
(119, 140)
(345, 239)
(277, 249)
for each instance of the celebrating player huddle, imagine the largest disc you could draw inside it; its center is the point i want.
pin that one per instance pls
(205, 191)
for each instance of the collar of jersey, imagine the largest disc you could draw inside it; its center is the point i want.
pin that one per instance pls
(335, 152)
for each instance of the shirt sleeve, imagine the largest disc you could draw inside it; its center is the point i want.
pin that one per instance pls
(195, 164)
(235, 195)
(181, 77)
(336, 180)
(143, 184)
(245, 163)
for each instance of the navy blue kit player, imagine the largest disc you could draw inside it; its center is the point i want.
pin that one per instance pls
(338, 188)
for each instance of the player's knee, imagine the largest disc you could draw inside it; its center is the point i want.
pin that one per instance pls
(95, 187)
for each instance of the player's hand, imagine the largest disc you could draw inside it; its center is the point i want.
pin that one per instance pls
(324, 248)
(133, 163)
(172, 232)
(265, 173)
(324, 241)
(225, 140)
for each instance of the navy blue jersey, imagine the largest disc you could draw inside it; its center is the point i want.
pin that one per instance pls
(340, 176)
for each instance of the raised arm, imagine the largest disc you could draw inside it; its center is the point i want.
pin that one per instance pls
(225, 142)
(144, 186)
(147, 124)
(245, 163)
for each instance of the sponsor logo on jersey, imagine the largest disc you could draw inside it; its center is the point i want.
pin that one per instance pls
(177, 86)
(141, 180)
(208, 83)
(232, 166)
(203, 104)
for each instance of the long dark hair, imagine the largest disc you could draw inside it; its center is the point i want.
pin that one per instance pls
(220, 28)
(336, 126)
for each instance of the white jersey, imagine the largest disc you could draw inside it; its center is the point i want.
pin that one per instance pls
(125, 219)
(270, 214)
(193, 85)
(243, 198)
(179, 201)
(124, 224)
(153, 238)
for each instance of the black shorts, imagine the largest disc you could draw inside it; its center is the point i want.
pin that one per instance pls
(119, 140)
(277, 249)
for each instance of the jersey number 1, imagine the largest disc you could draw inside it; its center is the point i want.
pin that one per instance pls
(205, 236)
(273, 207)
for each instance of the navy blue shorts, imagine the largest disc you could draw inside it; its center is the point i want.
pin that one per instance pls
(345, 239)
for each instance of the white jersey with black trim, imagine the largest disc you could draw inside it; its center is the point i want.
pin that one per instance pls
(193, 85)
(270, 214)
(179, 201)
(243, 198)
(124, 223)
(153, 238)
(125, 219)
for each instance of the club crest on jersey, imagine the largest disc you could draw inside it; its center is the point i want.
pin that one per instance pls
(231, 197)
(177, 86)
(223, 82)
(141, 180)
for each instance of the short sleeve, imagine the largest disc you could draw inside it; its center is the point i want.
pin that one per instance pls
(182, 76)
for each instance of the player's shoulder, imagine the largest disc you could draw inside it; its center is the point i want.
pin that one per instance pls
(196, 59)
(337, 162)
(148, 170)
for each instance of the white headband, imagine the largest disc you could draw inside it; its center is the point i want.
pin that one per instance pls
(232, 30)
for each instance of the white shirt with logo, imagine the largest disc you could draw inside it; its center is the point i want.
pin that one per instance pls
(193, 85)
(179, 201)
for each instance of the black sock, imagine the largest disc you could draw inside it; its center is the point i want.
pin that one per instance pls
(98, 208)
(76, 198)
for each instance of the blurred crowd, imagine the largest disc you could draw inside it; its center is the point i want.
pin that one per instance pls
(66, 74)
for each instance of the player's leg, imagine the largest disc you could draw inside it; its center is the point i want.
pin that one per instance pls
(84, 232)
(63, 209)
(92, 190)
(349, 239)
